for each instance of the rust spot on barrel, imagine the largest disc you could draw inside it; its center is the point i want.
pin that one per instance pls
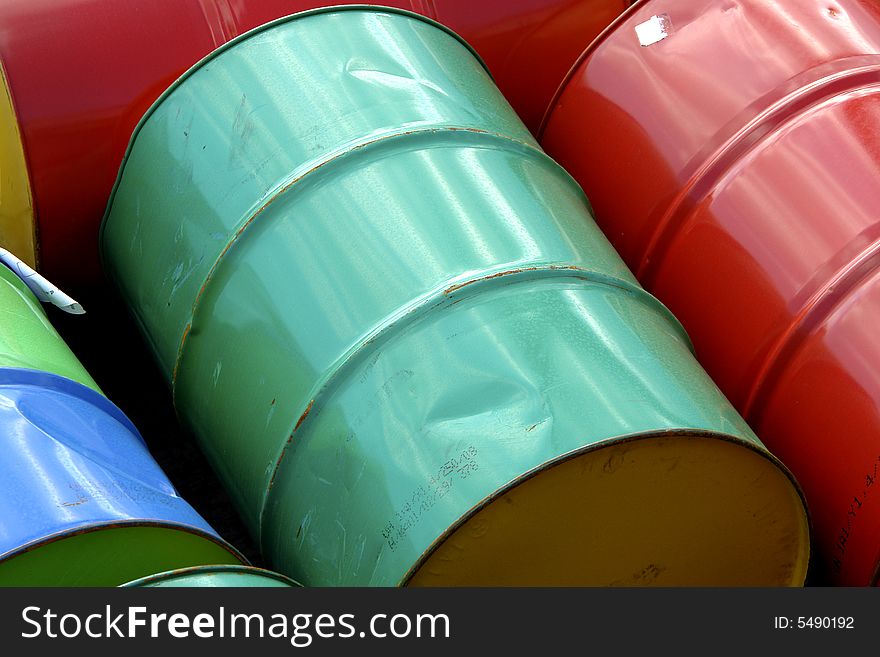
(518, 270)
(284, 450)
(302, 417)
(183, 337)
(458, 286)
(299, 422)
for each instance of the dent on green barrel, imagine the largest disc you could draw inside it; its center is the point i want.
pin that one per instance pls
(381, 306)
(27, 339)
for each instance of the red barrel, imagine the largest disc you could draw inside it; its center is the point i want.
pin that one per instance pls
(528, 45)
(731, 151)
(81, 73)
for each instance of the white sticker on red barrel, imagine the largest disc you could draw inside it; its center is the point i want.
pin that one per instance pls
(654, 29)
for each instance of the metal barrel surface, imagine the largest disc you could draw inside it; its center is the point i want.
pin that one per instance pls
(28, 340)
(731, 152)
(79, 74)
(17, 220)
(528, 45)
(405, 347)
(215, 577)
(82, 503)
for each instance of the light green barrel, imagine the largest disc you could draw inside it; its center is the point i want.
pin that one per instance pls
(401, 340)
(215, 577)
(28, 340)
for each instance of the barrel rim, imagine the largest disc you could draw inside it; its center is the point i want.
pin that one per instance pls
(756, 448)
(198, 570)
(365, 8)
(216, 539)
(11, 376)
(584, 56)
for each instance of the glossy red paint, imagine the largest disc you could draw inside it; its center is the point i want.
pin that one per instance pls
(529, 45)
(734, 162)
(82, 73)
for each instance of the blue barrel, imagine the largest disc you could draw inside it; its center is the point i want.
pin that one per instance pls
(82, 502)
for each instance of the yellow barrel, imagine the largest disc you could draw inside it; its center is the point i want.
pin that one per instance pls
(17, 227)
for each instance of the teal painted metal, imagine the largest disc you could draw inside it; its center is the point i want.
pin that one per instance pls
(214, 577)
(372, 292)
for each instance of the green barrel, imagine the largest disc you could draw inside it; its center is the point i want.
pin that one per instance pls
(215, 576)
(402, 341)
(28, 340)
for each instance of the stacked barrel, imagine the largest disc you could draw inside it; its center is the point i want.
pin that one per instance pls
(734, 163)
(390, 320)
